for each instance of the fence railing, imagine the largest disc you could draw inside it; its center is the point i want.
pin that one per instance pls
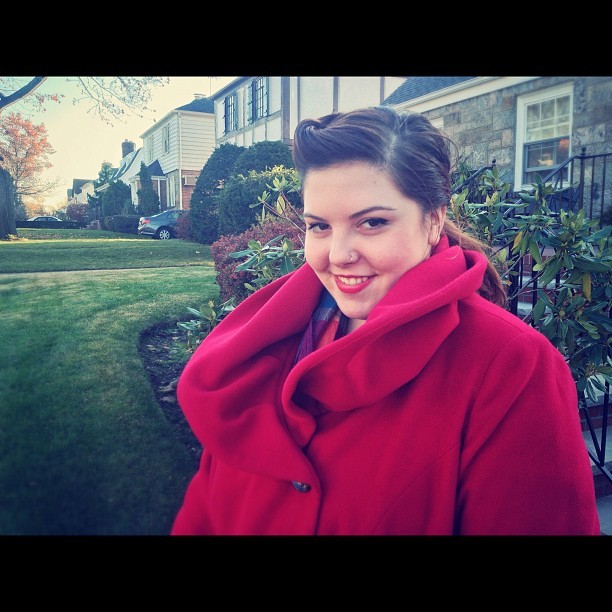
(583, 182)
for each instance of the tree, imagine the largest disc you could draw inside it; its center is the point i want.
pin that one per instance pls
(116, 199)
(203, 211)
(105, 174)
(7, 213)
(25, 149)
(77, 212)
(15, 89)
(148, 200)
(108, 96)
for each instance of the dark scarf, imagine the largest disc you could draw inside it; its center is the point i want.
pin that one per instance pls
(326, 325)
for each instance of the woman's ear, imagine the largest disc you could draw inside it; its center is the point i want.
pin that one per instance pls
(437, 217)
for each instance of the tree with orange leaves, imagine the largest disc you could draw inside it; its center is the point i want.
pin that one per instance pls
(25, 150)
(109, 97)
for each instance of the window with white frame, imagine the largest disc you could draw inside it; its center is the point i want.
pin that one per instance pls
(166, 138)
(543, 135)
(231, 113)
(257, 99)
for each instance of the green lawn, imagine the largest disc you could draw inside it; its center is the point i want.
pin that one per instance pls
(84, 447)
(48, 250)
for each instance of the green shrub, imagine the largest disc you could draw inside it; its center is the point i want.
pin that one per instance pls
(571, 259)
(116, 199)
(263, 155)
(148, 200)
(203, 211)
(218, 168)
(124, 224)
(242, 193)
(205, 320)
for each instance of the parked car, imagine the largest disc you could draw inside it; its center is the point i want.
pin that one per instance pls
(43, 218)
(161, 226)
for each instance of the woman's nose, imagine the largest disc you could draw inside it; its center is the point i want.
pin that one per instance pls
(341, 253)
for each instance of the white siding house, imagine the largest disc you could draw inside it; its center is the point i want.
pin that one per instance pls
(80, 189)
(176, 148)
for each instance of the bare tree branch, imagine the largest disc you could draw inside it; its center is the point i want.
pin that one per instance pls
(28, 88)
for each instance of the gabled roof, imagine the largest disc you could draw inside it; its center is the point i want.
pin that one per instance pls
(155, 168)
(78, 183)
(125, 164)
(199, 105)
(231, 85)
(419, 86)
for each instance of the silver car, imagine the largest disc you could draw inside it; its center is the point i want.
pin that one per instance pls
(161, 226)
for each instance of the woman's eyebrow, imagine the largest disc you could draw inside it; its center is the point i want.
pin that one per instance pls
(359, 213)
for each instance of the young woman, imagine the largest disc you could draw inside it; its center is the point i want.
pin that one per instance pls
(382, 388)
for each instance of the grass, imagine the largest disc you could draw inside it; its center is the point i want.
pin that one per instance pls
(95, 250)
(84, 446)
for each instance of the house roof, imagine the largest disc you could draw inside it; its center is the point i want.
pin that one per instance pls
(231, 85)
(78, 183)
(199, 105)
(125, 164)
(155, 168)
(419, 86)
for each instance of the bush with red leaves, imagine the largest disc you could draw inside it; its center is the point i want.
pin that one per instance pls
(231, 283)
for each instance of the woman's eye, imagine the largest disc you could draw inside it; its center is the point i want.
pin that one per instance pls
(374, 223)
(318, 227)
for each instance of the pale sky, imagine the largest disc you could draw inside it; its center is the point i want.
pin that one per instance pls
(82, 140)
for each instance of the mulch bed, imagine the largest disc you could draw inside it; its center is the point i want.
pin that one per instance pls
(161, 348)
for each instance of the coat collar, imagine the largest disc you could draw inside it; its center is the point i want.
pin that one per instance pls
(246, 404)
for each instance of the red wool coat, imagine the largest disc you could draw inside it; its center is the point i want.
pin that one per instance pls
(443, 414)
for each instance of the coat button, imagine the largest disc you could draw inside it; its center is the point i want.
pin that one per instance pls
(302, 487)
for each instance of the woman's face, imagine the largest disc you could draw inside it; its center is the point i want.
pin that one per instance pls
(363, 234)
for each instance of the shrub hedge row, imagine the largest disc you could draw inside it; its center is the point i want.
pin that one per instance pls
(51, 224)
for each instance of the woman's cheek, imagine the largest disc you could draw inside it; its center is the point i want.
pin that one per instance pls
(314, 254)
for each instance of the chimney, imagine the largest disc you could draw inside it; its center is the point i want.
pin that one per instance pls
(198, 96)
(127, 146)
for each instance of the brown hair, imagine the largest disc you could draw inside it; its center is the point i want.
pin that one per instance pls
(414, 154)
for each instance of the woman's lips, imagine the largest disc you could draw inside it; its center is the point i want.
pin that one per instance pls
(352, 284)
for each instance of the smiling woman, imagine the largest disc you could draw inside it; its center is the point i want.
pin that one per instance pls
(359, 250)
(367, 392)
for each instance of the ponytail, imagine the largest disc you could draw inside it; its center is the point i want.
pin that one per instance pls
(492, 287)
